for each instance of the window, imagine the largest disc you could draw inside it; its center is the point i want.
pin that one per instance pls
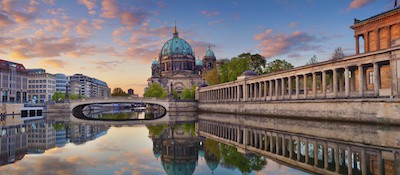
(371, 77)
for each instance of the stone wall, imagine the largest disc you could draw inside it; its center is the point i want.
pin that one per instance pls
(349, 110)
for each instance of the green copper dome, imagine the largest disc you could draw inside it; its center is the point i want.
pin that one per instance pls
(176, 46)
(209, 53)
(199, 62)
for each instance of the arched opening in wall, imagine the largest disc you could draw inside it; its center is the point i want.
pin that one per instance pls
(362, 44)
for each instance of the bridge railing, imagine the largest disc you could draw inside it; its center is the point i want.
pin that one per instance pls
(117, 98)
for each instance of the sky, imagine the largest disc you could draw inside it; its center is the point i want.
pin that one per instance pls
(116, 40)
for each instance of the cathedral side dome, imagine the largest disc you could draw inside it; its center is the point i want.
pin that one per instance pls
(155, 62)
(199, 62)
(209, 53)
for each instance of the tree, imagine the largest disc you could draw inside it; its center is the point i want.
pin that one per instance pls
(155, 90)
(234, 68)
(278, 65)
(58, 96)
(175, 94)
(338, 54)
(212, 76)
(189, 94)
(73, 96)
(313, 60)
(118, 92)
(256, 61)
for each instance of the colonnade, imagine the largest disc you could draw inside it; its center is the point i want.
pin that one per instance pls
(317, 154)
(363, 78)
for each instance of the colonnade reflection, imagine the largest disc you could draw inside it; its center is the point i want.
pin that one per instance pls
(314, 154)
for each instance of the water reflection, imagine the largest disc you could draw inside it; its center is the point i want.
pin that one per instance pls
(214, 144)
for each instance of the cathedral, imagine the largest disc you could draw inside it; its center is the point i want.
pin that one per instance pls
(177, 68)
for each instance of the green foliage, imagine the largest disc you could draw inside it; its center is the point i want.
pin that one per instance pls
(119, 116)
(256, 62)
(278, 65)
(58, 96)
(189, 94)
(156, 130)
(58, 126)
(189, 128)
(73, 96)
(234, 68)
(175, 94)
(118, 92)
(231, 156)
(155, 90)
(313, 60)
(212, 76)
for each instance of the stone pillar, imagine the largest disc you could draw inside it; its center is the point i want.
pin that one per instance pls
(283, 88)
(270, 89)
(265, 90)
(283, 146)
(315, 153)
(380, 162)
(305, 85)
(324, 84)
(325, 157)
(314, 84)
(377, 78)
(363, 162)
(271, 144)
(265, 142)
(346, 82)
(393, 78)
(334, 78)
(378, 47)
(297, 87)
(290, 89)
(298, 149)
(276, 88)
(260, 91)
(349, 162)
(389, 41)
(360, 81)
(245, 91)
(336, 152)
(366, 42)
(357, 44)
(306, 150)
(290, 147)
(277, 144)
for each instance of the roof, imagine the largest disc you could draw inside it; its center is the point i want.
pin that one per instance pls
(4, 64)
(376, 16)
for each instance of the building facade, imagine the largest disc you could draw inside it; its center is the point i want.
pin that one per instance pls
(41, 85)
(176, 67)
(13, 82)
(91, 87)
(61, 83)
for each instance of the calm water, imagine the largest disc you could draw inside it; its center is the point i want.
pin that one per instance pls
(213, 144)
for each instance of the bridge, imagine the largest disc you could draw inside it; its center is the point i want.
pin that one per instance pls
(162, 102)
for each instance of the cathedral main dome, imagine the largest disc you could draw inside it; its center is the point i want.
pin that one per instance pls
(176, 46)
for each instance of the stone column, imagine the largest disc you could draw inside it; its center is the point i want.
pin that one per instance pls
(277, 144)
(357, 44)
(366, 42)
(305, 85)
(265, 90)
(378, 47)
(283, 146)
(389, 41)
(306, 150)
(245, 91)
(324, 84)
(325, 158)
(346, 82)
(336, 152)
(260, 89)
(393, 78)
(334, 77)
(314, 84)
(297, 87)
(290, 147)
(276, 89)
(290, 87)
(349, 162)
(363, 162)
(360, 81)
(270, 89)
(298, 149)
(377, 78)
(380, 163)
(271, 144)
(315, 153)
(283, 88)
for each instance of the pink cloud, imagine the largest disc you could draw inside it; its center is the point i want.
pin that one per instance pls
(110, 9)
(358, 3)
(132, 18)
(90, 5)
(278, 44)
(261, 36)
(293, 24)
(209, 13)
(53, 63)
(5, 21)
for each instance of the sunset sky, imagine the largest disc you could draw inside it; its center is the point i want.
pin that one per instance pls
(116, 40)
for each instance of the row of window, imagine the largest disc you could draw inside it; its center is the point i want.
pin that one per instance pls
(42, 81)
(40, 86)
(40, 91)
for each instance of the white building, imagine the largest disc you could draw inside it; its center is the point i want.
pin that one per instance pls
(91, 87)
(13, 82)
(41, 85)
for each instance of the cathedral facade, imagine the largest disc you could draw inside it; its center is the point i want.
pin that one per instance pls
(177, 68)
